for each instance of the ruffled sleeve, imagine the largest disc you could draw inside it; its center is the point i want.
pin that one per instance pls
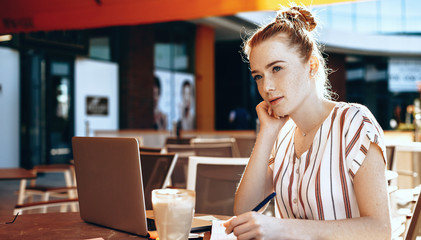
(362, 130)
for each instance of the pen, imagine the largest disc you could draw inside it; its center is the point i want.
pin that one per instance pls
(264, 202)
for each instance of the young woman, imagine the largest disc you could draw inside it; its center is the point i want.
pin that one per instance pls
(325, 160)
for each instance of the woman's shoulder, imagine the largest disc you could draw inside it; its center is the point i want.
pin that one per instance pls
(358, 114)
(354, 109)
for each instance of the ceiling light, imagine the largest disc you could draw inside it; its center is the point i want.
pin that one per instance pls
(4, 38)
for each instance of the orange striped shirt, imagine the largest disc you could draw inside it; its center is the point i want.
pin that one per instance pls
(319, 184)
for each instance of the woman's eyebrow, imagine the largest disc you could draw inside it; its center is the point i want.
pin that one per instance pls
(273, 63)
(268, 65)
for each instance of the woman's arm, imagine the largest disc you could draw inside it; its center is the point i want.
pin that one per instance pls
(256, 182)
(374, 222)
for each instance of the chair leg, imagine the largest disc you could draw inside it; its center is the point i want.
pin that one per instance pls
(72, 194)
(68, 178)
(63, 208)
(16, 211)
(45, 198)
(21, 195)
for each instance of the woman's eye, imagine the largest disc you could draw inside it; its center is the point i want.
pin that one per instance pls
(257, 77)
(276, 69)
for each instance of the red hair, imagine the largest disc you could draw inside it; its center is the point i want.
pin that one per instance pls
(296, 23)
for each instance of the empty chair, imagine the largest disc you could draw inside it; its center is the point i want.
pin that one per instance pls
(178, 140)
(184, 151)
(200, 141)
(414, 228)
(404, 152)
(156, 172)
(215, 181)
(245, 144)
(150, 149)
(46, 192)
(178, 177)
(206, 150)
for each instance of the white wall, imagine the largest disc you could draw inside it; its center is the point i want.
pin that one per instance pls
(95, 78)
(371, 43)
(9, 108)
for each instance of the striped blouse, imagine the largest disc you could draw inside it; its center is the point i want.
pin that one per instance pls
(319, 184)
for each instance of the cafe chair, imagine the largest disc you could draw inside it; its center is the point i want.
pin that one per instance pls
(150, 149)
(178, 140)
(184, 151)
(414, 227)
(179, 177)
(157, 169)
(49, 192)
(215, 181)
(203, 141)
(403, 207)
(395, 150)
(245, 145)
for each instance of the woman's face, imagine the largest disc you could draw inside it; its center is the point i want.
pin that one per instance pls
(281, 76)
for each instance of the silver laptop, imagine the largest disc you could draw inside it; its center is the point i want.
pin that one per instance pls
(110, 185)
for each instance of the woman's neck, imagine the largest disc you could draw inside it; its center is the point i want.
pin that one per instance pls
(311, 114)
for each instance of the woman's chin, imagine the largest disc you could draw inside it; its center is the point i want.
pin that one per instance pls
(280, 113)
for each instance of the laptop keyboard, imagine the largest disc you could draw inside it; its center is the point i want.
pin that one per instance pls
(151, 224)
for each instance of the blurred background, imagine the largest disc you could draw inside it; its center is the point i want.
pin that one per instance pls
(73, 68)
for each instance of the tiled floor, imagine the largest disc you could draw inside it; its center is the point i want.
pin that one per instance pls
(9, 189)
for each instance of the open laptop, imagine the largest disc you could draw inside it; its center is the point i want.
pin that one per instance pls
(110, 185)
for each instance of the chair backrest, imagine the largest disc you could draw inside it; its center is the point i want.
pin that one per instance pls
(215, 150)
(245, 145)
(178, 140)
(390, 154)
(150, 149)
(215, 181)
(205, 150)
(206, 141)
(405, 152)
(414, 228)
(156, 172)
(185, 151)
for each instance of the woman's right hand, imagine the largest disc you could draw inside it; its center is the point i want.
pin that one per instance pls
(254, 226)
(268, 119)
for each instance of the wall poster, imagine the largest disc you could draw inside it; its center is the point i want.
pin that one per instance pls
(176, 100)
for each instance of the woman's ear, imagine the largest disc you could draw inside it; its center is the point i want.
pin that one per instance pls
(314, 65)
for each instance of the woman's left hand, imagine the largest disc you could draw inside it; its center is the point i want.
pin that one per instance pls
(253, 225)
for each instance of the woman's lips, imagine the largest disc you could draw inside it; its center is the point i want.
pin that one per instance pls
(274, 101)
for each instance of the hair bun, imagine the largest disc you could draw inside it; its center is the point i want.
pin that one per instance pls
(298, 16)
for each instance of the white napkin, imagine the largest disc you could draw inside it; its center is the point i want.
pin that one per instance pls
(218, 231)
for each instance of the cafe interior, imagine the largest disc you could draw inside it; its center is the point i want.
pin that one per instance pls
(170, 75)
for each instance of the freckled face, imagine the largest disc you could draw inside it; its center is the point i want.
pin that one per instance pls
(280, 74)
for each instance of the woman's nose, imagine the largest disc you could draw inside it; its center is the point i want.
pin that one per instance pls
(268, 85)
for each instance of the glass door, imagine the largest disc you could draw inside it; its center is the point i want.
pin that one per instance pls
(59, 110)
(47, 109)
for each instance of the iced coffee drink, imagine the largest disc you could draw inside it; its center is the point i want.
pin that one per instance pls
(173, 212)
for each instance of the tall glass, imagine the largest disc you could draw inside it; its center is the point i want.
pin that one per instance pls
(173, 211)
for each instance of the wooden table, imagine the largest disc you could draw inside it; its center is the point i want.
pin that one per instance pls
(55, 226)
(59, 226)
(18, 174)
